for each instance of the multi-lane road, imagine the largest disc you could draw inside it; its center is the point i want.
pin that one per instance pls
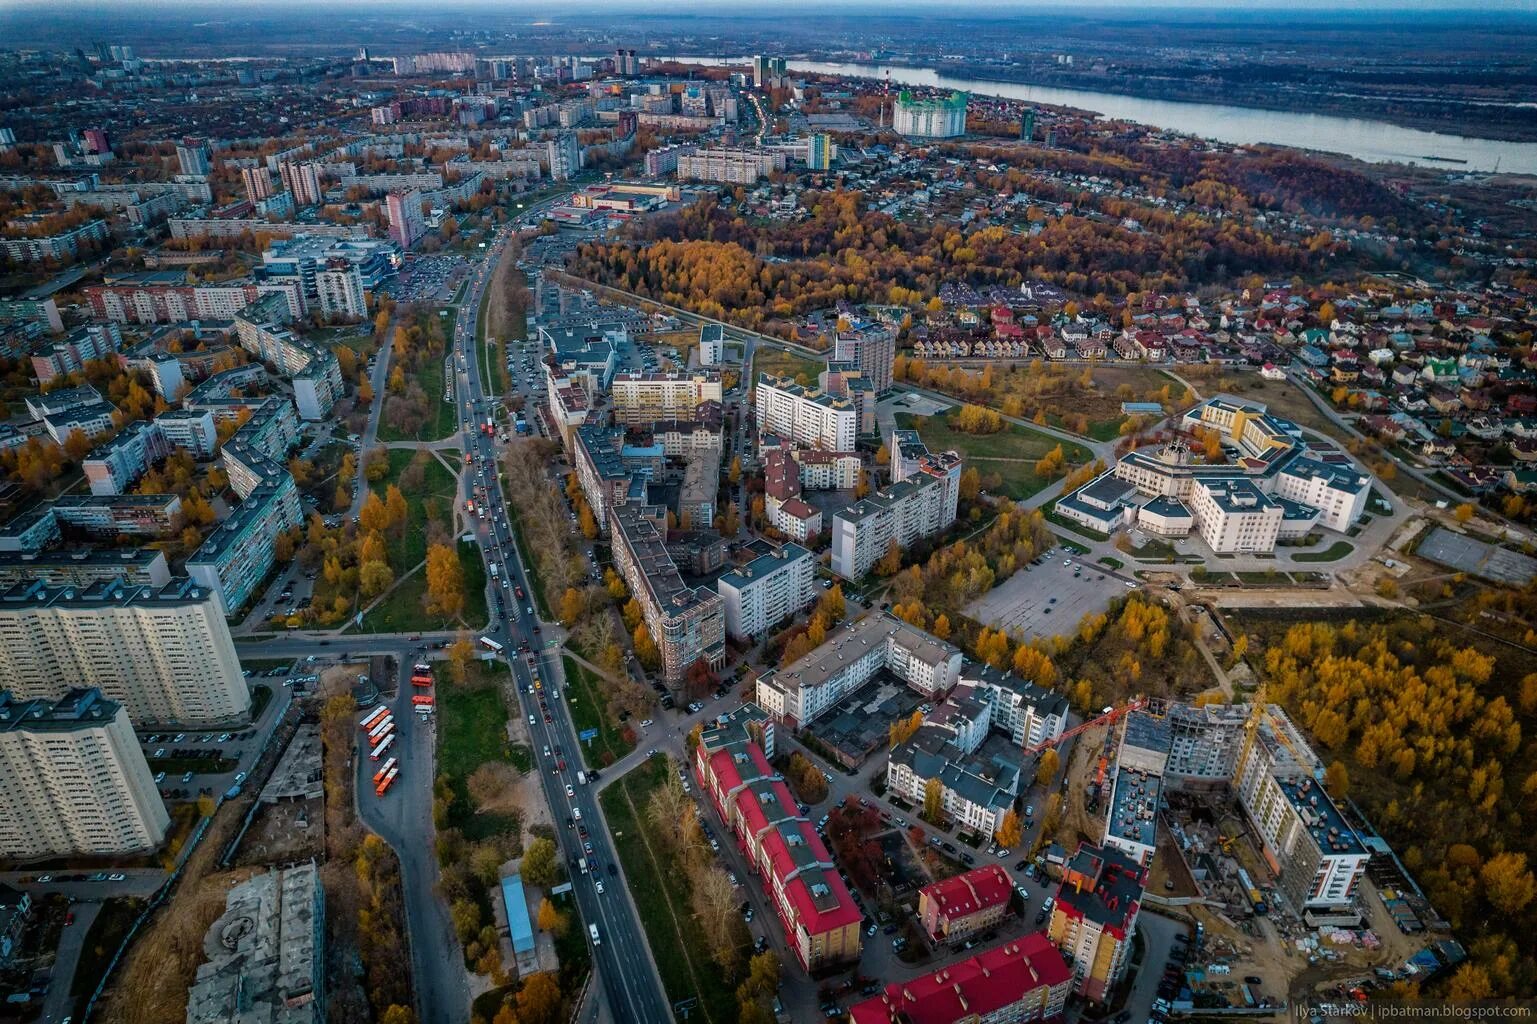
(626, 972)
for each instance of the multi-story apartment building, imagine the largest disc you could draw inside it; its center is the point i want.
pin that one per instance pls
(956, 908)
(904, 513)
(308, 258)
(563, 155)
(236, 557)
(976, 790)
(850, 657)
(165, 654)
(1318, 858)
(303, 181)
(820, 919)
(609, 472)
(313, 368)
(339, 292)
(1094, 917)
(117, 515)
(89, 420)
(731, 165)
(73, 780)
(1020, 982)
(641, 399)
(257, 182)
(134, 566)
(404, 211)
(767, 590)
(930, 119)
(687, 623)
(870, 346)
(59, 358)
(193, 156)
(62, 247)
(111, 468)
(806, 417)
(149, 299)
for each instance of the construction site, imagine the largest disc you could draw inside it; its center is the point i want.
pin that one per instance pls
(1292, 896)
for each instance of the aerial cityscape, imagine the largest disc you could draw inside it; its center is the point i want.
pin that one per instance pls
(888, 514)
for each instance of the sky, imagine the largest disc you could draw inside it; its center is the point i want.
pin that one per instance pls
(557, 8)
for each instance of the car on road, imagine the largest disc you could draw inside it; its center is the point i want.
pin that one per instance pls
(239, 778)
(159, 778)
(570, 793)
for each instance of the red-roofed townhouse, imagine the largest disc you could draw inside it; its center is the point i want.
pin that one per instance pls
(1019, 982)
(956, 908)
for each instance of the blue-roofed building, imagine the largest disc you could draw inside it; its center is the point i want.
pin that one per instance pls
(520, 929)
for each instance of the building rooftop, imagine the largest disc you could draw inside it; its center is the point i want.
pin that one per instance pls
(974, 890)
(648, 544)
(764, 564)
(852, 641)
(1102, 885)
(1318, 812)
(80, 708)
(519, 928)
(1134, 800)
(264, 955)
(108, 593)
(970, 989)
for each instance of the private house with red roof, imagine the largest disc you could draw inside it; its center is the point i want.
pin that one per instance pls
(957, 908)
(820, 919)
(1019, 982)
(1094, 915)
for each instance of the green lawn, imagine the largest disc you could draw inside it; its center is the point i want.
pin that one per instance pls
(535, 578)
(472, 729)
(440, 422)
(785, 364)
(1333, 553)
(402, 611)
(1011, 453)
(410, 547)
(492, 352)
(661, 894)
(585, 699)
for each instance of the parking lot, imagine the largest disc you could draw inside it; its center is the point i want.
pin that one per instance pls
(1050, 598)
(427, 277)
(1477, 557)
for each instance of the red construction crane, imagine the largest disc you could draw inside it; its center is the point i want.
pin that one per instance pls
(1106, 718)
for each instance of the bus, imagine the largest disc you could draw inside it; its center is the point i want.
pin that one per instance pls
(491, 645)
(383, 785)
(384, 745)
(384, 725)
(372, 718)
(422, 700)
(384, 769)
(421, 678)
(495, 570)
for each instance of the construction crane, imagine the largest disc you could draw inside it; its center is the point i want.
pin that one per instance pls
(1102, 719)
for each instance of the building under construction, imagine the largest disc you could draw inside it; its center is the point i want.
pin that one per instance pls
(1253, 753)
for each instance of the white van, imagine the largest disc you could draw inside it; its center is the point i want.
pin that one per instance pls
(592, 933)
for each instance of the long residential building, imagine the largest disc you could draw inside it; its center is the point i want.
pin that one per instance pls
(850, 657)
(1020, 982)
(820, 919)
(164, 653)
(929, 119)
(163, 297)
(806, 417)
(903, 514)
(767, 590)
(62, 247)
(732, 165)
(60, 358)
(641, 399)
(82, 568)
(73, 779)
(687, 623)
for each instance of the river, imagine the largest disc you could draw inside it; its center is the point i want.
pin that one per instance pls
(1372, 141)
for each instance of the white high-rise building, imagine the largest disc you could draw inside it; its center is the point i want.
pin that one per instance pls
(303, 180)
(930, 119)
(641, 399)
(904, 513)
(73, 780)
(340, 289)
(164, 653)
(805, 417)
(768, 589)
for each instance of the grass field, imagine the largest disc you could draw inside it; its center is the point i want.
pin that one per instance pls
(402, 610)
(778, 361)
(1011, 453)
(661, 895)
(588, 712)
(438, 483)
(472, 729)
(1333, 553)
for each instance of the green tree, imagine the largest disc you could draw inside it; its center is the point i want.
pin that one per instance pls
(541, 866)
